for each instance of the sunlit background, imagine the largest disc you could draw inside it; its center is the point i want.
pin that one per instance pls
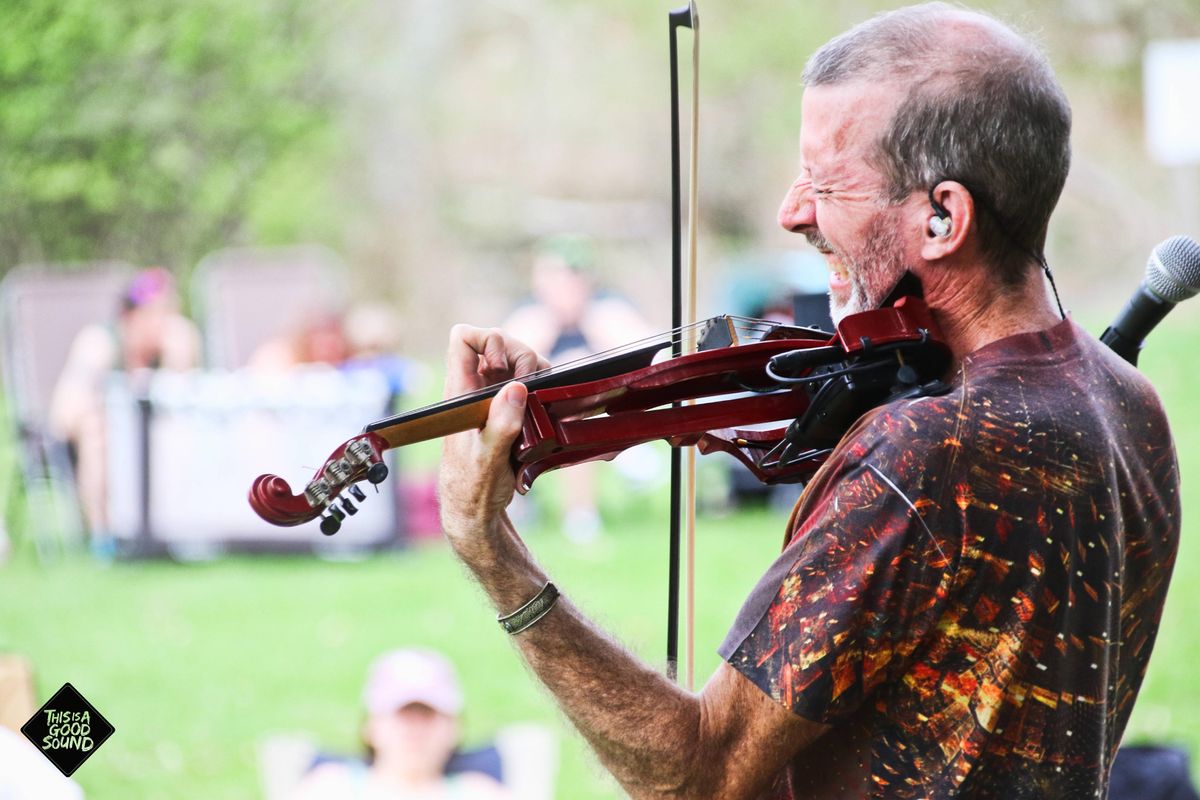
(428, 146)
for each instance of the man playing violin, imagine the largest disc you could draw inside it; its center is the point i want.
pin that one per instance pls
(971, 585)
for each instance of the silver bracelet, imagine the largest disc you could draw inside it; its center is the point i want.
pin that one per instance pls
(531, 612)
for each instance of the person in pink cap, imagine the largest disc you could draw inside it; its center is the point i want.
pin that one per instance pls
(413, 702)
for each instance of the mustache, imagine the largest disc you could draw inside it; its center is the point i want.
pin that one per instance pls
(818, 240)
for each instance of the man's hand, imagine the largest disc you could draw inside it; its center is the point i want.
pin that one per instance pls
(475, 482)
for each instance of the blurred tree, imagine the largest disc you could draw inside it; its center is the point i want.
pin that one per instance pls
(141, 130)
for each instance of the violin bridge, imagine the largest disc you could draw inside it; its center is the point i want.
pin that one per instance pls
(718, 332)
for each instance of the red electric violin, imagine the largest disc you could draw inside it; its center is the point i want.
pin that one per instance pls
(745, 372)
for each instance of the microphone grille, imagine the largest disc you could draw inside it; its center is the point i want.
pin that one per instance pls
(1173, 272)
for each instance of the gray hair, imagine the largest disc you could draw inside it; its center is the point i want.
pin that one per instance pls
(982, 107)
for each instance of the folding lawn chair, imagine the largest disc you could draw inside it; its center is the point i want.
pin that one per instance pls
(42, 308)
(247, 296)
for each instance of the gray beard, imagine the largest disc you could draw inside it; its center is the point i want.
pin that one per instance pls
(873, 274)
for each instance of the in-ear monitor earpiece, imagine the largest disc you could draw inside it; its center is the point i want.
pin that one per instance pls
(940, 223)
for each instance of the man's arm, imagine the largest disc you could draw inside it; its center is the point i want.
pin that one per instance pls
(658, 740)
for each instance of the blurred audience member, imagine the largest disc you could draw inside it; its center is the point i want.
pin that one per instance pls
(27, 774)
(413, 702)
(568, 318)
(149, 333)
(318, 337)
(367, 337)
(374, 338)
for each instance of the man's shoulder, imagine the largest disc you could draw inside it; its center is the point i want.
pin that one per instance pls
(908, 447)
(1125, 380)
(916, 426)
(1029, 382)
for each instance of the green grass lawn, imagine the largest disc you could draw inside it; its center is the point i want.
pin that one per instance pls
(195, 663)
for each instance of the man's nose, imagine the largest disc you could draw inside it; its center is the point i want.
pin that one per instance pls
(797, 211)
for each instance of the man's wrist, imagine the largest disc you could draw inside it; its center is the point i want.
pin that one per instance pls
(467, 533)
(490, 551)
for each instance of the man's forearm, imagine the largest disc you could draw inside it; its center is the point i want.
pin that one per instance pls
(645, 729)
(731, 740)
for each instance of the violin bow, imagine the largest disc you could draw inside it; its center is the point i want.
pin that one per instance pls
(686, 17)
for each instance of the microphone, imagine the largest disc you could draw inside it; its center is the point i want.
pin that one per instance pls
(1172, 275)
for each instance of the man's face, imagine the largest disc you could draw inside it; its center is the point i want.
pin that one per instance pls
(839, 203)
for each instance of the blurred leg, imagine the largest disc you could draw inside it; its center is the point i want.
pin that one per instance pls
(581, 521)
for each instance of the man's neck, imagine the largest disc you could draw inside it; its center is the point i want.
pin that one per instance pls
(974, 313)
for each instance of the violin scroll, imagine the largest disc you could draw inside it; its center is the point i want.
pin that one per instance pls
(357, 459)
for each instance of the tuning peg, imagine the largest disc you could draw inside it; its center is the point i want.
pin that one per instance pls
(357, 493)
(330, 525)
(317, 492)
(338, 471)
(377, 473)
(351, 509)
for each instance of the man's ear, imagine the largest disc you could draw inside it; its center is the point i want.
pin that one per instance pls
(948, 219)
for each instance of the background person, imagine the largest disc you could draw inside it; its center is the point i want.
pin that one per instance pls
(413, 703)
(316, 337)
(28, 774)
(149, 333)
(568, 318)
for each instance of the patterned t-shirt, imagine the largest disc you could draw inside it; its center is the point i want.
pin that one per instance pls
(973, 582)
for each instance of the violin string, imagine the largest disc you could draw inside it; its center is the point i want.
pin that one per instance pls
(629, 347)
(748, 324)
(743, 326)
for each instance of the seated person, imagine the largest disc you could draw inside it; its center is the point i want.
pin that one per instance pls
(317, 336)
(568, 317)
(411, 733)
(149, 333)
(28, 774)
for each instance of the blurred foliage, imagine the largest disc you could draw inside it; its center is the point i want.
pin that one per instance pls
(414, 136)
(143, 130)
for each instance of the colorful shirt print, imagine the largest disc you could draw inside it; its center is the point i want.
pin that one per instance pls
(973, 582)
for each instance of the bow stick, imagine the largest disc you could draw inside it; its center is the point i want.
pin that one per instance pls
(687, 17)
